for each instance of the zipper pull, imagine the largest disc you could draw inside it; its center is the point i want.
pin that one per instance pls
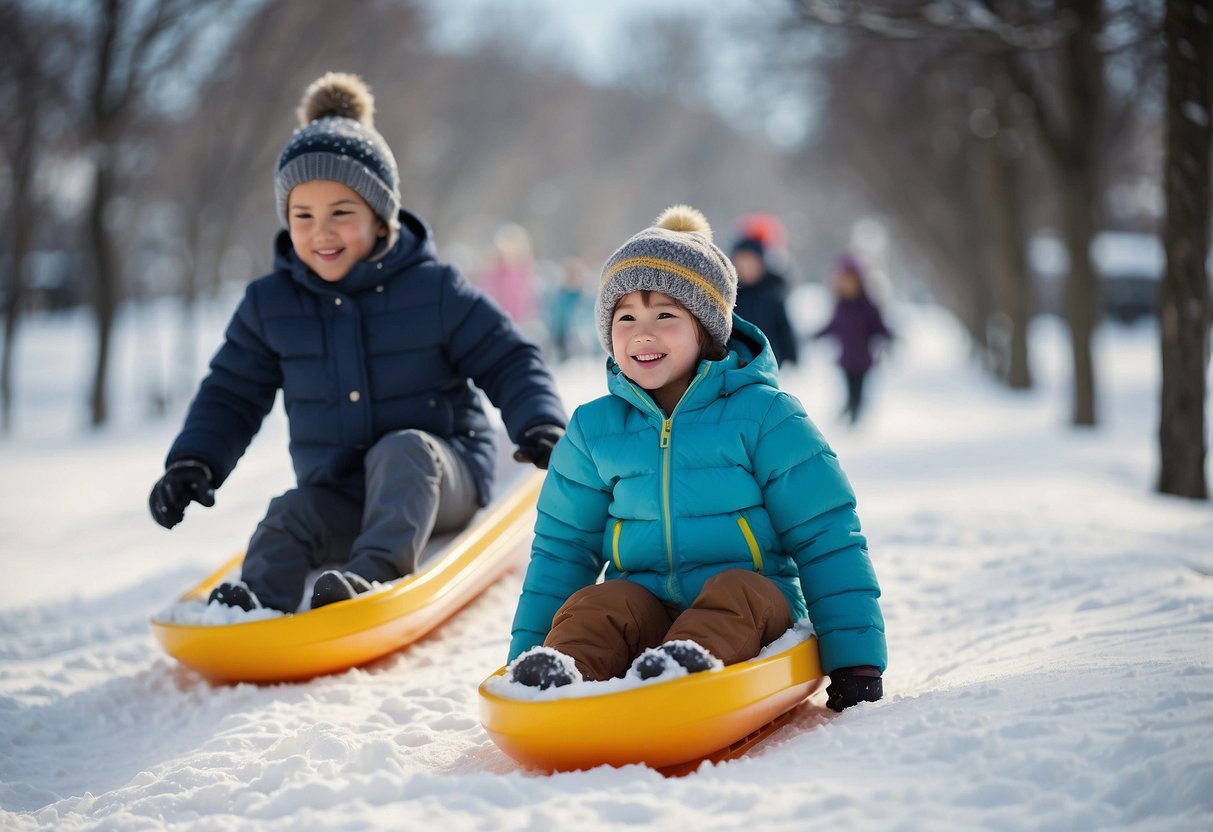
(665, 433)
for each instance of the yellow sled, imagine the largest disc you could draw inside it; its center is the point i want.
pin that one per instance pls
(351, 633)
(670, 726)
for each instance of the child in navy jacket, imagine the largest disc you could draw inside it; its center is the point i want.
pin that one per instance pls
(375, 346)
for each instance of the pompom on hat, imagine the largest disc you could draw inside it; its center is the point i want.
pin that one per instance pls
(675, 256)
(337, 141)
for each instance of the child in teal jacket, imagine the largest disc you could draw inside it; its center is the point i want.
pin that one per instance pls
(712, 509)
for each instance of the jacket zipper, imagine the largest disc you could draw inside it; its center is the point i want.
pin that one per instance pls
(667, 428)
(752, 542)
(615, 532)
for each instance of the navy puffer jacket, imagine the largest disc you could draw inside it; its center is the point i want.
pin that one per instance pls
(396, 344)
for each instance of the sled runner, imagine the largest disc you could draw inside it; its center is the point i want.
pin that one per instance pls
(339, 636)
(671, 725)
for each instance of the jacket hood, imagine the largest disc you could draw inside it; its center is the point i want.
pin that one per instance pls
(414, 245)
(750, 360)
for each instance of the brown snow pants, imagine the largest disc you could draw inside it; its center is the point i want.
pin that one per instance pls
(604, 627)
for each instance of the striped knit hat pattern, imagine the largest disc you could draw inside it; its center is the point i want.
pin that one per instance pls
(675, 256)
(337, 140)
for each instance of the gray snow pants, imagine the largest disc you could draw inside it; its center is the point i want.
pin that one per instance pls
(416, 485)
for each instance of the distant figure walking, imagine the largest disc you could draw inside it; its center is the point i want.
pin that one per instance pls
(856, 323)
(762, 297)
(568, 305)
(509, 276)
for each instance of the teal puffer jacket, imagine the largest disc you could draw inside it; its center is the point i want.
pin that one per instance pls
(736, 477)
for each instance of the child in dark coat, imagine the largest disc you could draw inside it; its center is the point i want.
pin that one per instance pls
(762, 298)
(856, 323)
(375, 346)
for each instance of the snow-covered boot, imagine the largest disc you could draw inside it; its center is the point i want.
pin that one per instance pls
(657, 661)
(652, 663)
(234, 595)
(691, 655)
(543, 668)
(333, 586)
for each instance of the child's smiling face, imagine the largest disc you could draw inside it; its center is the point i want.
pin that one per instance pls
(657, 344)
(331, 227)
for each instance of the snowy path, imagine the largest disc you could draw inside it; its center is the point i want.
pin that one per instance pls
(1050, 623)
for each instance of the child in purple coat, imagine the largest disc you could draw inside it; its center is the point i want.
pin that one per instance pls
(856, 323)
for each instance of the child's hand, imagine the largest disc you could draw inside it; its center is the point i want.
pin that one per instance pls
(537, 443)
(852, 685)
(185, 480)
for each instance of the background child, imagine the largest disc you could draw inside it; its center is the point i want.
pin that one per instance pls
(718, 510)
(373, 343)
(762, 297)
(568, 304)
(509, 275)
(856, 323)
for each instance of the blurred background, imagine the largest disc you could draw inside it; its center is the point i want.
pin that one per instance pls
(1003, 160)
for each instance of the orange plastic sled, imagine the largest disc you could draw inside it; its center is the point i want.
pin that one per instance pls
(344, 635)
(670, 726)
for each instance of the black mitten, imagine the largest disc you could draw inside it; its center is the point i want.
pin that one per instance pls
(537, 443)
(852, 685)
(184, 481)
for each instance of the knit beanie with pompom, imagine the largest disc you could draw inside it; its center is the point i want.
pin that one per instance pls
(337, 141)
(676, 257)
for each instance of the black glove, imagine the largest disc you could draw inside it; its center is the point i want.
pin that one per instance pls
(183, 481)
(852, 685)
(536, 444)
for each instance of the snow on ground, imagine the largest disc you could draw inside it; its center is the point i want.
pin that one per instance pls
(1049, 623)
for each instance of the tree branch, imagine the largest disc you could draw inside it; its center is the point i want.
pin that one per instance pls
(979, 25)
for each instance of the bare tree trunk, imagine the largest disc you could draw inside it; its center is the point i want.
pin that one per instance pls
(199, 259)
(135, 43)
(1012, 284)
(105, 286)
(981, 295)
(12, 305)
(103, 117)
(1070, 125)
(21, 231)
(1007, 263)
(1082, 290)
(1184, 307)
(1083, 92)
(22, 208)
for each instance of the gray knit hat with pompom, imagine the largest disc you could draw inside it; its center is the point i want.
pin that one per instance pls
(337, 141)
(676, 257)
